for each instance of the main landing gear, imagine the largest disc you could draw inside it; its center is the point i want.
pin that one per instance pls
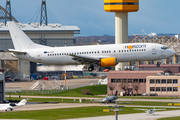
(91, 68)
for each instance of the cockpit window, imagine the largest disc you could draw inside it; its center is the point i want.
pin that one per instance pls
(164, 47)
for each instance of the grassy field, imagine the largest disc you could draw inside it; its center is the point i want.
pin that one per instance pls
(143, 103)
(65, 113)
(95, 91)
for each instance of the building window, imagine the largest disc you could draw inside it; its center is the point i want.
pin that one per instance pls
(144, 80)
(175, 81)
(135, 80)
(113, 80)
(141, 80)
(152, 88)
(124, 80)
(158, 89)
(151, 81)
(175, 88)
(129, 80)
(169, 81)
(158, 81)
(163, 89)
(163, 81)
(169, 88)
(118, 80)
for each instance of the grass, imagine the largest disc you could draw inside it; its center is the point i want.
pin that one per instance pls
(142, 103)
(65, 113)
(95, 90)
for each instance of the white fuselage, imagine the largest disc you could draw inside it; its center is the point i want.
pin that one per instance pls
(122, 52)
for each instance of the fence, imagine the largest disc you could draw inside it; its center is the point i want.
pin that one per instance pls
(18, 91)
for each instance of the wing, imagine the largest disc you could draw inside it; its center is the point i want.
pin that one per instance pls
(16, 51)
(86, 59)
(141, 109)
(158, 109)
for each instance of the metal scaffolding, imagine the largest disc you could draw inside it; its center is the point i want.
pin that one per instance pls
(5, 14)
(43, 18)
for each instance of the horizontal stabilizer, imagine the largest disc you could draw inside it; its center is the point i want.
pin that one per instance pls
(16, 51)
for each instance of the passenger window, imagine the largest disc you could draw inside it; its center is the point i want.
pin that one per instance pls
(124, 50)
(114, 51)
(107, 51)
(95, 52)
(104, 51)
(127, 50)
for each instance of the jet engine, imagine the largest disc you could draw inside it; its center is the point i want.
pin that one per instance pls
(107, 62)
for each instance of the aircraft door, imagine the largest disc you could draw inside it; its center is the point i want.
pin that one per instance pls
(39, 56)
(154, 50)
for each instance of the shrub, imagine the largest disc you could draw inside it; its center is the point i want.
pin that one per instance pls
(86, 92)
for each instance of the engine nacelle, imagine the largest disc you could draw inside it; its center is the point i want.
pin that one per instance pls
(107, 62)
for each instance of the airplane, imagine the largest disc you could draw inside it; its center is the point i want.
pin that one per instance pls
(150, 111)
(110, 99)
(11, 106)
(91, 55)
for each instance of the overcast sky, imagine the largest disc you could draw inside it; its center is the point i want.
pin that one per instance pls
(159, 16)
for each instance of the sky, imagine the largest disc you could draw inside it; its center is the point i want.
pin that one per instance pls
(159, 16)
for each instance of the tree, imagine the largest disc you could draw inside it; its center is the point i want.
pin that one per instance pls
(136, 86)
(124, 86)
(111, 88)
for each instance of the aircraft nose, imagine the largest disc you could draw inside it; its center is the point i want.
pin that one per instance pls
(173, 52)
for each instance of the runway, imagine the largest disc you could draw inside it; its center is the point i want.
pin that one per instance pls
(29, 107)
(137, 116)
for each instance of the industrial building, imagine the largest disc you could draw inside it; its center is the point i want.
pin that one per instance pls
(42, 33)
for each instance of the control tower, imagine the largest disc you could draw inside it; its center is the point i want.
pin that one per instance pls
(121, 9)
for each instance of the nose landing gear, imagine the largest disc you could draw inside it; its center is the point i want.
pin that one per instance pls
(91, 68)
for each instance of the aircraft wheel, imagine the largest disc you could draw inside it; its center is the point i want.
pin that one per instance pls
(91, 68)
